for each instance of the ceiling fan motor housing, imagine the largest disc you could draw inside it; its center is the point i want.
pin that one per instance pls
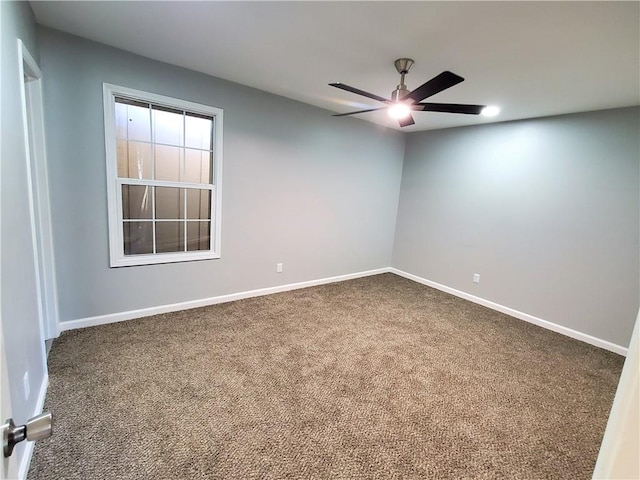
(403, 65)
(399, 93)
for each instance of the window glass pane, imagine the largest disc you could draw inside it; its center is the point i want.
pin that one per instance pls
(134, 159)
(198, 204)
(122, 153)
(169, 203)
(138, 238)
(139, 160)
(198, 236)
(138, 125)
(169, 237)
(168, 163)
(121, 121)
(197, 166)
(136, 202)
(167, 127)
(197, 132)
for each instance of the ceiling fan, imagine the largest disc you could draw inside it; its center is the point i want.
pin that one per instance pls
(403, 101)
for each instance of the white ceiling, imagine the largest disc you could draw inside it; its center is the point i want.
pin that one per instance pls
(530, 58)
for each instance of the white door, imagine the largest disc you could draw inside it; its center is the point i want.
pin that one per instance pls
(23, 370)
(9, 468)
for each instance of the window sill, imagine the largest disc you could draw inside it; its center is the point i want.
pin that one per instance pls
(157, 258)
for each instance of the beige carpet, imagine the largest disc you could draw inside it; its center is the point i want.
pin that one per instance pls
(378, 377)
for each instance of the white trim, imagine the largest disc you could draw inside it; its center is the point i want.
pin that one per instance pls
(618, 457)
(25, 58)
(38, 183)
(117, 258)
(164, 183)
(612, 347)
(174, 307)
(115, 230)
(23, 469)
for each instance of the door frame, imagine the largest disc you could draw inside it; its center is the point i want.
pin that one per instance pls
(37, 175)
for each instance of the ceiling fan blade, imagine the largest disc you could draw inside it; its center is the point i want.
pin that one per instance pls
(357, 91)
(437, 84)
(405, 122)
(359, 111)
(448, 108)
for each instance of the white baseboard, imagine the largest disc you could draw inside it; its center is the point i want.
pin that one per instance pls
(174, 307)
(23, 469)
(612, 347)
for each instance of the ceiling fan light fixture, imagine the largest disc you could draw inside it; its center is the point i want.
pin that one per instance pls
(399, 110)
(404, 101)
(490, 111)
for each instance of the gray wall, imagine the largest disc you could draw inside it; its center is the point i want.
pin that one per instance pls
(19, 299)
(317, 193)
(545, 210)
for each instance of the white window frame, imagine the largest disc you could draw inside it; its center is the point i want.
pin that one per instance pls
(114, 189)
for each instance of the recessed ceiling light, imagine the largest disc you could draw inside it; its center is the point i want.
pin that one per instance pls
(490, 111)
(399, 110)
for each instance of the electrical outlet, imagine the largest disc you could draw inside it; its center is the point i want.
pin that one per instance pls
(476, 278)
(25, 384)
(278, 267)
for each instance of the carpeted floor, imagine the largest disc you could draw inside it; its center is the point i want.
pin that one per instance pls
(378, 377)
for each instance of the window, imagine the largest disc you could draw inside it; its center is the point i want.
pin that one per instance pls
(164, 161)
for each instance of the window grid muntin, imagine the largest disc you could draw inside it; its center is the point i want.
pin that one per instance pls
(153, 132)
(126, 100)
(154, 220)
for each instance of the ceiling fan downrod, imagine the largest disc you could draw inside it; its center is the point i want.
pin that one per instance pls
(403, 65)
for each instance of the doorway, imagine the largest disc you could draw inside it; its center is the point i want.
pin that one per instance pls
(42, 234)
